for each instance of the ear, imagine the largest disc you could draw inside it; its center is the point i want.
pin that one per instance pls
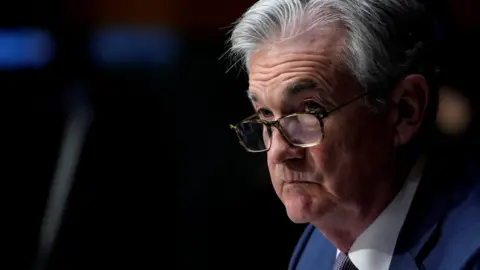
(410, 100)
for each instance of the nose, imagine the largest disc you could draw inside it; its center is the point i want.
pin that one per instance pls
(282, 151)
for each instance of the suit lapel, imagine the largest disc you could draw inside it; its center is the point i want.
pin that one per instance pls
(430, 205)
(318, 253)
(324, 254)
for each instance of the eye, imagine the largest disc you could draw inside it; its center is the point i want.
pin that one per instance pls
(264, 113)
(312, 107)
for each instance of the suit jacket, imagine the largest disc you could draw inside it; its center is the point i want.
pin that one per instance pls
(441, 231)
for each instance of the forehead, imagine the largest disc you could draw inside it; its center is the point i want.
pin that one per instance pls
(313, 57)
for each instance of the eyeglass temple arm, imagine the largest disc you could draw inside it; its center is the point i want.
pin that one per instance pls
(345, 104)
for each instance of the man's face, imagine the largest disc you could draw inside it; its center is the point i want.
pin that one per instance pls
(341, 171)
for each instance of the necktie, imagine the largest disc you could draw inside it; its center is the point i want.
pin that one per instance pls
(343, 263)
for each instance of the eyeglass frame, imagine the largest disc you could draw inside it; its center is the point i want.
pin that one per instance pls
(276, 124)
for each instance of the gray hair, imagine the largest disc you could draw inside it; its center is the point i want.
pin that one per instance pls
(377, 47)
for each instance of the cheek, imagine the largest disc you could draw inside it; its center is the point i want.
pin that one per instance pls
(271, 169)
(348, 150)
(337, 155)
(324, 161)
(331, 152)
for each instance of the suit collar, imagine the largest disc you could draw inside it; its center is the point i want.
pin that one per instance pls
(430, 205)
(374, 248)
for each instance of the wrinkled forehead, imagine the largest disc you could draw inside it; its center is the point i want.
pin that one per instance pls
(279, 71)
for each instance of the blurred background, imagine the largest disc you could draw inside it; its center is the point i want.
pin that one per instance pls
(100, 95)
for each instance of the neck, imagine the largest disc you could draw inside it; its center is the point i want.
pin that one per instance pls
(344, 224)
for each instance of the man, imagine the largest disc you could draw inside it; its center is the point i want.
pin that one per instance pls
(345, 98)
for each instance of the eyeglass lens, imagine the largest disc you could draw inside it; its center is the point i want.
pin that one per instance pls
(299, 130)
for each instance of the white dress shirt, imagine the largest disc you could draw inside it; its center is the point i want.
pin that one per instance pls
(373, 249)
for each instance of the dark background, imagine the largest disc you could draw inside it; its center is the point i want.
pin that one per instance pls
(160, 89)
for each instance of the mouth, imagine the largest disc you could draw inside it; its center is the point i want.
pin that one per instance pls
(292, 182)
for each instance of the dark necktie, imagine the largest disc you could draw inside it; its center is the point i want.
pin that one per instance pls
(343, 263)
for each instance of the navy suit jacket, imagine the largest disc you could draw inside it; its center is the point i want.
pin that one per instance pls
(441, 231)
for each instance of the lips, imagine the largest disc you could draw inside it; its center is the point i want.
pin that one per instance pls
(298, 182)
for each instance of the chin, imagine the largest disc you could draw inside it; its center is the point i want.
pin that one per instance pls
(298, 218)
(304, 203)
(300, 209)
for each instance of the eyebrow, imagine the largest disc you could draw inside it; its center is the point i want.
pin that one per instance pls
(292, 89)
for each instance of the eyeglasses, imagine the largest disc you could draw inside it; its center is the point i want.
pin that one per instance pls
(299, 129)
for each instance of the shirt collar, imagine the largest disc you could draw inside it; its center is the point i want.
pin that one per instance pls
(374, 248)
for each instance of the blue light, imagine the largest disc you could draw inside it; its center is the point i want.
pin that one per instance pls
(25, 48)
(117, 46)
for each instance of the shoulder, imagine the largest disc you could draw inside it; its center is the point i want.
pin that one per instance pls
(313, 251)
(463, 219)
(460, 230)
(441, 230)
(302, 243)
